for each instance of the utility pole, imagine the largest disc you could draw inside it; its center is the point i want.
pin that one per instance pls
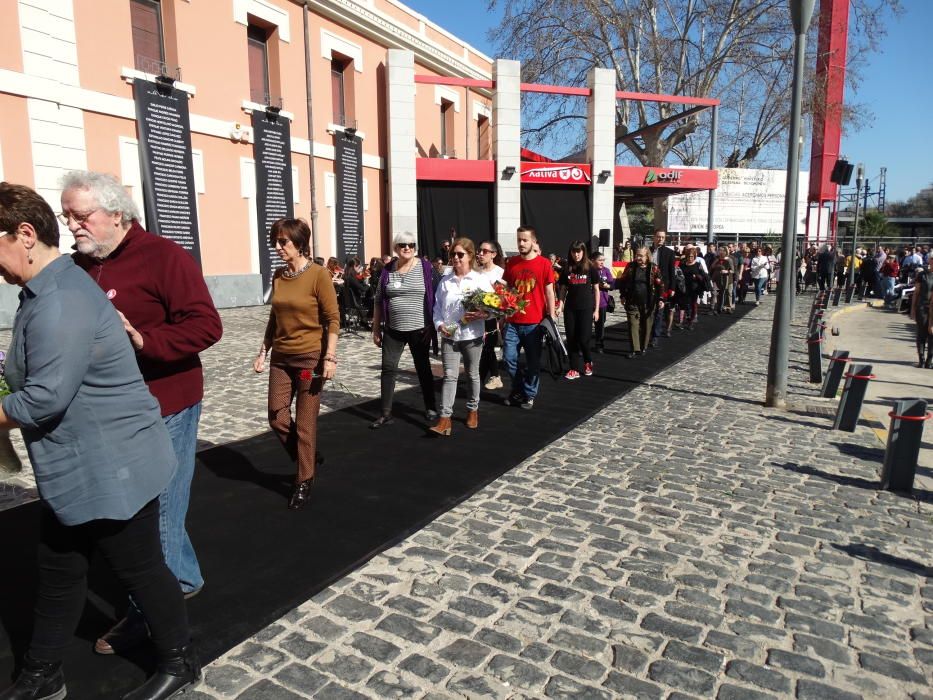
(801, 11)
(859, 176)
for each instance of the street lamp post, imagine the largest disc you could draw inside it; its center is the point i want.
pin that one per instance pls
(859, 176)
(801, 11)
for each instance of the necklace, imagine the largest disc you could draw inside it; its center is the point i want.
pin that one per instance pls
(288, 274)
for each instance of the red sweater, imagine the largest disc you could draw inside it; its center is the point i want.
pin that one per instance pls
(159, 287)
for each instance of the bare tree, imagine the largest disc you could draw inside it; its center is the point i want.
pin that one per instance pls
(738, 51)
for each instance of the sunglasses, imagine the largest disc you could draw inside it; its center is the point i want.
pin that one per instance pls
(486, 251)
(281, 242)
(405, 246)
(458, 254)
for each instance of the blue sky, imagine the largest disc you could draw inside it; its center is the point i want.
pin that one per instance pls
(897, 86)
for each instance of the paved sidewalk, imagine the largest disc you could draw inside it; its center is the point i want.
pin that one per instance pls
(886, 341)
(684, 542)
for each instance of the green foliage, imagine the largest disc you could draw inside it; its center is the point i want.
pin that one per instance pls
(874, 226)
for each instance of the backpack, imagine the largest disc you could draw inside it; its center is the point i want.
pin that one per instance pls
(680, 282)
(554, 349)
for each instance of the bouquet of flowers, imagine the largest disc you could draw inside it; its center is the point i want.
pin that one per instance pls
(501, 302)
(9, 460)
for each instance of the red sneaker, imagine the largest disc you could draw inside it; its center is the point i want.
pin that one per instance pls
(588, 369)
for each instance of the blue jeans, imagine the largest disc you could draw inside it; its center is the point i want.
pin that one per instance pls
(527, 336)
(760, 283)
(173, 502)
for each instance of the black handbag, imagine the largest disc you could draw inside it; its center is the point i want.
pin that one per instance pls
(610, 304)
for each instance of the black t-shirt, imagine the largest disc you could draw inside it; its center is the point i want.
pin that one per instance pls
(579, 288)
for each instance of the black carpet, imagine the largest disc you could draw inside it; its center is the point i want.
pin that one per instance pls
(375, 489)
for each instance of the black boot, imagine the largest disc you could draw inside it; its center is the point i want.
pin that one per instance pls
(39, 680)
(929, 362)
(178, 669)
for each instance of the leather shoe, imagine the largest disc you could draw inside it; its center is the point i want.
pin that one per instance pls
(178, 670)
(301, 495)
(127, 634)
(442, 427)
(381, 421)
(472, 420)
(39, 680)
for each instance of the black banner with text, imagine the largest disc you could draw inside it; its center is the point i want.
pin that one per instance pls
(348, 164)
(166, 164)
(274, 197)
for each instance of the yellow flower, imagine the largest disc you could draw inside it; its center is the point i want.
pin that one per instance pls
(490, 299)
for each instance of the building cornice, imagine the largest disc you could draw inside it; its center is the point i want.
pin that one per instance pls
(377, 26)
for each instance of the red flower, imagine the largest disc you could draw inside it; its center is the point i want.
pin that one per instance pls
(305, 375)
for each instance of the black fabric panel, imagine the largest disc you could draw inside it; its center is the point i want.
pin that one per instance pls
(468, 207)
(560, 215)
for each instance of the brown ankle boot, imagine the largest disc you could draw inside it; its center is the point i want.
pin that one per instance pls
(442, 427)
(472, 420)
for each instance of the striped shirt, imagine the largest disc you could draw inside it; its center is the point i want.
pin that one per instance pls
(406, 299)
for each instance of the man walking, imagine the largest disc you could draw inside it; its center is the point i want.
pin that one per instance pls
(532, 275)
(663, 257)
(160, 294)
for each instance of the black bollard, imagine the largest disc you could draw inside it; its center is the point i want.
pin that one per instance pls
(815, 355)
(850, 291)
(903, 449)
(853, 394)
(837, 365)
(837, 294)
(816, 319)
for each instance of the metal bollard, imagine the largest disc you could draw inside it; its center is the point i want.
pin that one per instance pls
(815, 355)
(903, 448)
(816, 320)
(837, 364)
(837, 294)
(850, 292)
(853, 394)
(822, 299)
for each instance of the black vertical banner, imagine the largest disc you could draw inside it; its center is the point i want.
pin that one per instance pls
(349, 195)
(274, 197)
(165, 159)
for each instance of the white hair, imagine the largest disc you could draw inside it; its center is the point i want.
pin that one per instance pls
(404, 237)
(110, 195)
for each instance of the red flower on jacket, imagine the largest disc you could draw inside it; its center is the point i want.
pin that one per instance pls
(305, 375)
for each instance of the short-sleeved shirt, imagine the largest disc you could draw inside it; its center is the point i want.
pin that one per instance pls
(579, 287)
(530, 278)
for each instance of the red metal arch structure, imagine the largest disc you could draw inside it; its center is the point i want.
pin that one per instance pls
(827, 122)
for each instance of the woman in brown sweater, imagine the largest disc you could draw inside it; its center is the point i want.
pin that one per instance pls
(302, 335)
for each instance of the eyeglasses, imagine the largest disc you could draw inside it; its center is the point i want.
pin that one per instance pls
(405, 246)
(459, 254)
(486, 251)
(79, 219)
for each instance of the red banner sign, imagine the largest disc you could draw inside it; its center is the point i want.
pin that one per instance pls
(556, 173)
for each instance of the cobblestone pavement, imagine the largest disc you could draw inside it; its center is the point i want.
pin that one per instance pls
(684, 542)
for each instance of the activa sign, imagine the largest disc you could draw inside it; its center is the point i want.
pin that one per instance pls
(664, 176)
(556, 173)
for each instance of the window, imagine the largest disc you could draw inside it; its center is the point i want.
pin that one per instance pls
(482, 138)
(258, 57)
(341, 90)
(148, 46)
(447, 129)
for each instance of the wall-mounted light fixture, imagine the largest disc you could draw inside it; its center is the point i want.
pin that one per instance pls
(605, 174)
(238, 132)
(508, 171)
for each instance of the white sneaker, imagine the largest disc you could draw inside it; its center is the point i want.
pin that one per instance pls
(493, 383)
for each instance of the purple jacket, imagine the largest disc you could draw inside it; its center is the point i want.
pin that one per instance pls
(428, 292)
(605, 276)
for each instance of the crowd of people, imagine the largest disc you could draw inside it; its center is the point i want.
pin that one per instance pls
(106, 383)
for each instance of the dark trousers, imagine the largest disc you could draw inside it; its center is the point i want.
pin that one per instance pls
(393, 342)
(824, 280)
(578, 325)
(134, 553)
(924, 339)
(600, 331)
(488, 362)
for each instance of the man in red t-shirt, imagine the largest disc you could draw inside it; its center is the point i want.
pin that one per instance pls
(533, 277)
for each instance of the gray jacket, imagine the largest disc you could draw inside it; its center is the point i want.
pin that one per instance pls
(96, 440)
